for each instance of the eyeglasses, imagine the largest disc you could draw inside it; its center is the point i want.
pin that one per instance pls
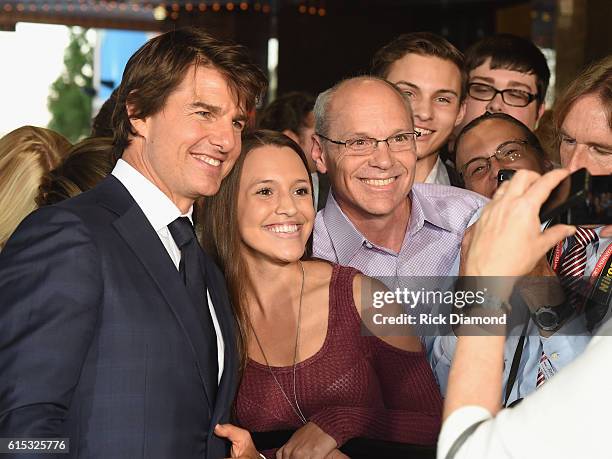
(506, 153)
(403, 141)
(512, 97)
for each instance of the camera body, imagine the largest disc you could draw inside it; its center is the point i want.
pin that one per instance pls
(580, 199)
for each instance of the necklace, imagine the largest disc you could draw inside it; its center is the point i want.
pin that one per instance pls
(296, 409)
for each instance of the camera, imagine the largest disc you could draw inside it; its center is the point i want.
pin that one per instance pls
(580, 199)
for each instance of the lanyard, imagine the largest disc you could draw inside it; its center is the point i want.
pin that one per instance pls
(604, 259)
(596, 303)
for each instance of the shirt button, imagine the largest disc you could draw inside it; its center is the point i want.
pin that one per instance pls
(554, 356)
(368, 245)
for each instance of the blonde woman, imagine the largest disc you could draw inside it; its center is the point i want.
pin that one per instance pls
(26, 155)
(86, 164)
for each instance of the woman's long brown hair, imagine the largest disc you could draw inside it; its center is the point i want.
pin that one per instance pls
(218, 222)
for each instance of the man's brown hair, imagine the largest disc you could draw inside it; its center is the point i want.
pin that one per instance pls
(160, 65)
(594, 80)
(423, 44)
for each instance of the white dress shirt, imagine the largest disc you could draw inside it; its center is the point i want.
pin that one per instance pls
(161, 211)
(438, 174)
(568, 417)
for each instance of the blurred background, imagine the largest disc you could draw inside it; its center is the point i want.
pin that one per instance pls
(62, 58)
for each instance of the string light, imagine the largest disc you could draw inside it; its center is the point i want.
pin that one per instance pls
(160, 13)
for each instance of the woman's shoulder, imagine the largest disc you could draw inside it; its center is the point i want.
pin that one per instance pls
(326, 271)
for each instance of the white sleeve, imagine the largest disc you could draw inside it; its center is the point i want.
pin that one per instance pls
(568, 417)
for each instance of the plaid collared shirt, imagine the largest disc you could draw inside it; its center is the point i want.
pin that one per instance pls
(439, 216)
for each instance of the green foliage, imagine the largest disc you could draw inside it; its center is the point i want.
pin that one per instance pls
(70, 95)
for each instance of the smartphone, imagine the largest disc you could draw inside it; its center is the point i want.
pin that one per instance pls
(580, 199)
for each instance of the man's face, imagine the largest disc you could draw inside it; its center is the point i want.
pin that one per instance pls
(502, 79)
(194, 140)
(374, 184)
(586, 137)
(483, 141)
(433, 86)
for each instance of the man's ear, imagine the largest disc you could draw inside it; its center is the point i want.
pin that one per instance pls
(318, 155)
(139, 125)
(292, 135)
(461, 113)
(541, 111)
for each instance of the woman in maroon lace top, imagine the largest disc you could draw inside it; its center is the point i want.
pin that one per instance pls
(307, 366)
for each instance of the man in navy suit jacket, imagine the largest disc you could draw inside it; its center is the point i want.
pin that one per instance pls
(100, 341)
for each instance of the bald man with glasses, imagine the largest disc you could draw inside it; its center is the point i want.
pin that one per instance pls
(376, 218)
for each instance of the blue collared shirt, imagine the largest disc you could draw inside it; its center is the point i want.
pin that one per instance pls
(561, 348)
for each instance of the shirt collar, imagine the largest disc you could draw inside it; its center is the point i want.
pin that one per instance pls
(438, 174)
(157, 207)
(340, 228)
(423, 210)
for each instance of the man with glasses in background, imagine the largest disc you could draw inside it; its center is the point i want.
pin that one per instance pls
(494, 142)
(376, 219)
(506, 74)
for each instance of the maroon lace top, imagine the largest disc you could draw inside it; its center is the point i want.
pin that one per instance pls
(354, 386)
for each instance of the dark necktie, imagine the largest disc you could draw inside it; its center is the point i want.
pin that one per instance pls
(193, 276)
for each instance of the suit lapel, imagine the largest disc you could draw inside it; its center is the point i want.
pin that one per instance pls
(224, 313)
(136, 230)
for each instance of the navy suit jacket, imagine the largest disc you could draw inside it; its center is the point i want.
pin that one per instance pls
(99, 340)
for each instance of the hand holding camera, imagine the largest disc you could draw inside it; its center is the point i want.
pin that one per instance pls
(507, 240)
